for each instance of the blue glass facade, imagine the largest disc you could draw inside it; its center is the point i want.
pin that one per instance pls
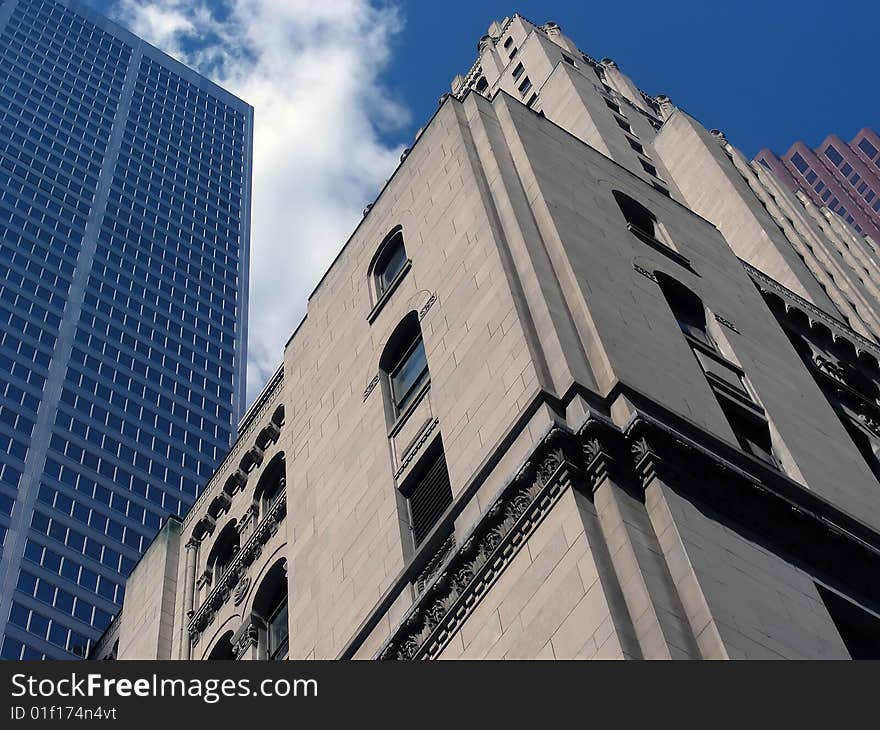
(124, 204)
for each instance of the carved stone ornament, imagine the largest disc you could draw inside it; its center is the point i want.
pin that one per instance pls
(229, 583)
(241, 590)
(246, 637)
(471, 568)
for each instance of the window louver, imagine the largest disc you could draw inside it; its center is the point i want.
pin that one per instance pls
(429, 498)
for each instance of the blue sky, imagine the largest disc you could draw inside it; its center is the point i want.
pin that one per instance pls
(339, 87)
(767, 73)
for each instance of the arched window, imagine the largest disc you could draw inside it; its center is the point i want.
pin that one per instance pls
(222, 650)
(270, 607)
(224, 550)
(389, 262)
(687, 307)
(272, 483)
(404, 363)
(636, 214)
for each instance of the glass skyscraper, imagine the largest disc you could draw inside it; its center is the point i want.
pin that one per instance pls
(124, 219)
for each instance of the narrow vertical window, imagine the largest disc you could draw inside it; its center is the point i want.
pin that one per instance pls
(389, 262)
(405, 364)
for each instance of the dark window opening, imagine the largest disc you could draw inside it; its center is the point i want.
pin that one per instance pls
(428, 493)
(224, 550)
(482, 84)
(525, 86)
(636, 145)
(687, 308)
(859, 629)
(223, 650)
(623, 124)
(518, 71)
(636, 214)
(611, 105)
(508, 42)
(569, 60)
(751, 431)
(270, 611)
(648, 167)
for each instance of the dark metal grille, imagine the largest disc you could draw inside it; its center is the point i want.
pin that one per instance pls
(429, 498)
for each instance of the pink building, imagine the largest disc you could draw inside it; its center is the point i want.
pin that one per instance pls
(842, 177)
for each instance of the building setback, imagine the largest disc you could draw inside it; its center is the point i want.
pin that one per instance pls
(843, 177)
(583, 383)
(124, 204)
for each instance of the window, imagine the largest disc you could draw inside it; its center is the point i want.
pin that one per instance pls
(271, 485)
(811, 177)
(613, 106)
(832, 154)
(518, 71)
(482, 84)
(859, 629)
(636, 214)
(428, 493)
(623, 124)
(508, 42)
(751, 430)
(569, 60)
(800, 163)
(270, 613)
(636, 145)
(389, 262)
(687, 308)
(223, 650)
(525, 86)
(869, 149)
(648, 167)
(224, 550)
(277, 633)
(405, 364)
(846, 169)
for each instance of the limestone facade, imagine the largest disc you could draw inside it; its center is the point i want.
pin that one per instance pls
(615, 398)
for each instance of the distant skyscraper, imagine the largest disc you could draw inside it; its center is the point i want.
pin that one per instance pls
(124, 218)
(842, 177)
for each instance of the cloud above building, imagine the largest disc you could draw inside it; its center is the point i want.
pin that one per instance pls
(312, 71)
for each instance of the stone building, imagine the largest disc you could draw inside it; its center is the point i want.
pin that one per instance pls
(583, 383)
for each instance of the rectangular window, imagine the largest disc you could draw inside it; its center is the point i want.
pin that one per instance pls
(648, 167)
(525, 86)
(569, 60)
(811, 177)
(846, 169)
(636, 145)
(623, 124)
(869, 149)
(800, 163)
(277, 634)
(832, 154)
(517, 72)
(410, 374)
(751, 431)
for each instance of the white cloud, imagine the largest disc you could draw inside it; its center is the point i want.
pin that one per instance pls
(310, 68)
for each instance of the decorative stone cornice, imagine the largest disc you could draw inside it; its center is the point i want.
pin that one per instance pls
(228, 582)
(469, 571)
(813, 313)
(246, 426)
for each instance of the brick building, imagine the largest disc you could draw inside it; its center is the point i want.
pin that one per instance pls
(583, 383)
